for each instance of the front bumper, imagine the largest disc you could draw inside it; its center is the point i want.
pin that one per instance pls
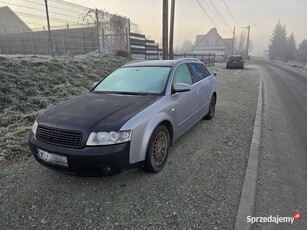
(93, 160)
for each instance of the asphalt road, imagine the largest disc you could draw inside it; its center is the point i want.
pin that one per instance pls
(198, 189)
(282, 173)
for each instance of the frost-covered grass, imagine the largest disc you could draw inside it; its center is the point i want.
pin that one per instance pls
(30, 84)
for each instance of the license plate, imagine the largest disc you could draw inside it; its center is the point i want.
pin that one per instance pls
(52, 158)
(235, 62)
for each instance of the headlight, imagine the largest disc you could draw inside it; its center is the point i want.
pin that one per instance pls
(34, 127)
(108, 138)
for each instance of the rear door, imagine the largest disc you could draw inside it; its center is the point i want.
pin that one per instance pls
(201, 81)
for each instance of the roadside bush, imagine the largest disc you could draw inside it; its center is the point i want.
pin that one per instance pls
(122, 53)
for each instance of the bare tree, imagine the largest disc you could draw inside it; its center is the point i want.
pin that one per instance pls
(112, 29)
(251, 45)
(241, 43)
(135, 28)
(187, 47)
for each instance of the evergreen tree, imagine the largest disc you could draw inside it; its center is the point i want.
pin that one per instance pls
(291, 48)
(302, 51)
(278, 43)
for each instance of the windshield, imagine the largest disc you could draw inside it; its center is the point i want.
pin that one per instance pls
(136, 80)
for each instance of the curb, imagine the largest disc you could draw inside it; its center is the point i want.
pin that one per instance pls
(248, 195)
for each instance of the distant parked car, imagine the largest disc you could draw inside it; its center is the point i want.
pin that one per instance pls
(129, 119)
(235, 61)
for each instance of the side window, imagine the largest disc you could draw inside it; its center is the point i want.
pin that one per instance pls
(182, 75)
(196, 72)
(204, 70)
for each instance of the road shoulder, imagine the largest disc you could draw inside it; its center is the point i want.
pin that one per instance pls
(247, 200)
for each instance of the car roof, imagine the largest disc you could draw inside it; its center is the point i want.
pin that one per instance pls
(169, 63)
(237, 55)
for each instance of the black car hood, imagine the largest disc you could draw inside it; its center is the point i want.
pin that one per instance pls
(95, 112)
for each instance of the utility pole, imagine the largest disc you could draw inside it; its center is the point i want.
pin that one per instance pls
(171, 36)
(247, 43)
(233, 40)
(49, 32)
(98, 40)
(165, 30)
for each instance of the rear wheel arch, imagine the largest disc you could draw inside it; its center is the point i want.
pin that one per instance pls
(214, 95)
(212, 104)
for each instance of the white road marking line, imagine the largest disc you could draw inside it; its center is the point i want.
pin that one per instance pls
(237, 72)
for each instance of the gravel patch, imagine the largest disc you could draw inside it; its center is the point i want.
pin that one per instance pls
(199, 188)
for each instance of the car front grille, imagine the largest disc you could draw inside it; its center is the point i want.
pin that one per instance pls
(59, 137)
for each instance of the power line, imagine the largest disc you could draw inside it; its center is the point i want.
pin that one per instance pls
(206, 13)
(24, 7)
(42, 10)
(36, 3)
(27, 15)
(69, 4)
(219, 14)
(231, 14)
(35, 10)
(52, 6)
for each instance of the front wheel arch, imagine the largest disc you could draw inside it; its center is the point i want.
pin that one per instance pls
(169, 126)
(157, 149)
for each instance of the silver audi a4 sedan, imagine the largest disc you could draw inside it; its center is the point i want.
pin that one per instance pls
(130, 119)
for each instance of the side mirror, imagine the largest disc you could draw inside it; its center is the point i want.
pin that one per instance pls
(214, 74)
(182, 87)
(94, 85)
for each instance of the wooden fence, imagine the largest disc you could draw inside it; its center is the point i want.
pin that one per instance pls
(142, 47)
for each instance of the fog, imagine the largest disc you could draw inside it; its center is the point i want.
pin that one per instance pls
(190, 20)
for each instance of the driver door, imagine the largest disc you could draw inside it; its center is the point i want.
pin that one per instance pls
(186, 103)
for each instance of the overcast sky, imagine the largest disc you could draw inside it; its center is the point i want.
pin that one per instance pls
(190, 20)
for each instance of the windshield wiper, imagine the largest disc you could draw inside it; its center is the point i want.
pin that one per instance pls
(124, 93)
(102, 92)
(131, 93)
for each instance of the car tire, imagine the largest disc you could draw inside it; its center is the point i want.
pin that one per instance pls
(211, 111)
(157, 150)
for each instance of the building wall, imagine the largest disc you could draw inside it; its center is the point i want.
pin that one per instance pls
(10, 23)
(212, 43)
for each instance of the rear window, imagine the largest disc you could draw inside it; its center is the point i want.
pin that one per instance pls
(205, 71)
(196, 72)
(235, 58)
